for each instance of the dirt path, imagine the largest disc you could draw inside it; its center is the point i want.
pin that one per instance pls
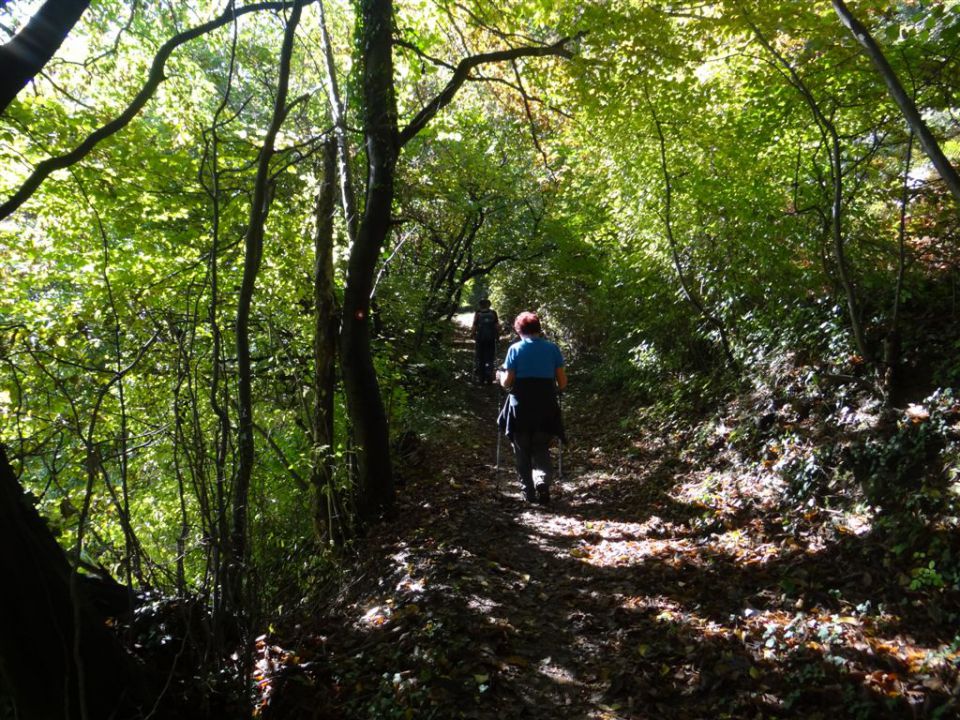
(651, 587)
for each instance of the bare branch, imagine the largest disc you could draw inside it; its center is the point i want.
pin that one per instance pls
(297, 478)
(421, 54)
(530, 119)
(462, 74)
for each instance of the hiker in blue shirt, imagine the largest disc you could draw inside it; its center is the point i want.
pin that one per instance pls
(486, 330)
(533, 373)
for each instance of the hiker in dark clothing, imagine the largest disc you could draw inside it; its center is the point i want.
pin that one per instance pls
(486, 330)
(533, 373)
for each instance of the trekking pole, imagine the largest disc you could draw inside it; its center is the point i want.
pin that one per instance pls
(560, 459)
(560, 462)
(499, 405)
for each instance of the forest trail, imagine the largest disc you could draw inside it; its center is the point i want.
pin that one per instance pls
(651, 587)
(745, 214)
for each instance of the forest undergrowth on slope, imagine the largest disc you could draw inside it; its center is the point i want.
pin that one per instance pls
(682, 570)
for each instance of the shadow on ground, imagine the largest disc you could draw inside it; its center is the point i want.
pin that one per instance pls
(623, 599)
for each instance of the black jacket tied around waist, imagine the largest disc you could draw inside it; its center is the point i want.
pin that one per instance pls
(532, 406)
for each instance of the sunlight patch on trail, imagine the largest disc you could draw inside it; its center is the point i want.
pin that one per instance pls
(464, 319)
(557, 673)
(772, 621)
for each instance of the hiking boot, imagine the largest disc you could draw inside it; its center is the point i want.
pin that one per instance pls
(543, 494)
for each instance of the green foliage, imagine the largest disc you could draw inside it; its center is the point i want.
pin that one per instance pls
(543, 183)
(914, 467)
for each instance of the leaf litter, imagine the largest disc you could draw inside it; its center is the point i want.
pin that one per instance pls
(654, 586)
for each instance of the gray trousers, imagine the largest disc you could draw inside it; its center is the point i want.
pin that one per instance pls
(532, 452)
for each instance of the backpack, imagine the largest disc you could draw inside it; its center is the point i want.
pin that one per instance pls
(486, 325)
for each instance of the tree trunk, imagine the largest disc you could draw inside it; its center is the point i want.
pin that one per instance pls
(839, 242)
(326, 508)
(253, 250)
(30, 50)
(891, 343)
(339, 116)
(57, 658)
(375, 490)
(909, 109)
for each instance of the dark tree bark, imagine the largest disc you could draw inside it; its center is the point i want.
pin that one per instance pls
(891, 343)
(253, 252)
(339, 115)
(900, 96)
(57, 658)
(327, 515)
(213, 504)
(375, 491)
(31, 49)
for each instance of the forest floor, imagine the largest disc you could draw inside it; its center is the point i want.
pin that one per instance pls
(657, 584)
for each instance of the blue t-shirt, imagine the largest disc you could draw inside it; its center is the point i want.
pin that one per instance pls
(534, 357)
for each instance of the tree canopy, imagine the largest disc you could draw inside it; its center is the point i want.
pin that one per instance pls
(236, 237)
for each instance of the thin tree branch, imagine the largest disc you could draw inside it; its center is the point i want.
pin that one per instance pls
(697, 302)
(287, 465)
(462, 74)
(154, 78)
(530, 119)
(909, 109)
(338, 114)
